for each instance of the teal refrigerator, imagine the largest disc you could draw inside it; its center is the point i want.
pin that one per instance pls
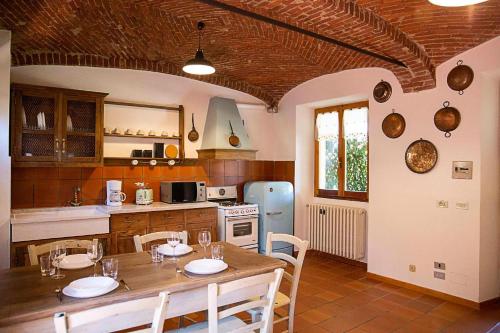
(275, 200)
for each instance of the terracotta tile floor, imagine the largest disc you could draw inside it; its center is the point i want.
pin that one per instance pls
(335, 297)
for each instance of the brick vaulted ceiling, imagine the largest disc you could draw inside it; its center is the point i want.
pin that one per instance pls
(250, 55)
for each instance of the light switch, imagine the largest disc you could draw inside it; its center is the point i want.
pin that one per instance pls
(462, 205)
(462, 170)
(442, 204)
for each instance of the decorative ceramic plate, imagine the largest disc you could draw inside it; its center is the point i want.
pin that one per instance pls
(421, 156)
(171, 151)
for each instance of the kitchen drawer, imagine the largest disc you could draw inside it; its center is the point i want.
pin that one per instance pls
(201, 214)
(168, 217)
(129, 222)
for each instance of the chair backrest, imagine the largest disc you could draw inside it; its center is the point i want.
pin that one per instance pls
(36, 250)
(140, 240)
(296, 262)
(257, 291)
(116, 317)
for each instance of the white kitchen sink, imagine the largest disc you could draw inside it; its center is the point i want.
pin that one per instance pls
(46, 223)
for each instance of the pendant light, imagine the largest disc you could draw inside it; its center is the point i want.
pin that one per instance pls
(455, 3)
(199, 65)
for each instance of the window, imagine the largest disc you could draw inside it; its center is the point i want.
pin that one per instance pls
(341, 152)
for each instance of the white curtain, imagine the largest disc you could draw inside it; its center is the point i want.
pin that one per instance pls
(327, 126)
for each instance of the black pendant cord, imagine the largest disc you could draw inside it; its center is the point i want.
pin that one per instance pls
(287, 26)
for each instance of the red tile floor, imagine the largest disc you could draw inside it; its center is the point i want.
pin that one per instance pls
(336, 297)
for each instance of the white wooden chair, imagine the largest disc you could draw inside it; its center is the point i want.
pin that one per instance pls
(140, 240)
(257, 291)
(282, 299)
(116, 317)
(35, 251)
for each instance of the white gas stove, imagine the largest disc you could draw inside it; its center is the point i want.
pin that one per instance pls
(237, 223)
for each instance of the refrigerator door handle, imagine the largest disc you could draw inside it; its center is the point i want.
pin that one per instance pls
(273, 213)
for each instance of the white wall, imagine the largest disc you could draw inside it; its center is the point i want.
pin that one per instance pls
(405, 226)
(4, 149)
(155, 88)
(489, 264)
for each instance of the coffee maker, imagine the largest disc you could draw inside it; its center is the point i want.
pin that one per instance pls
(114, 194)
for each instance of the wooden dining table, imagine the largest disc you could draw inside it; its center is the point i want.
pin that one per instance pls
(28, 301)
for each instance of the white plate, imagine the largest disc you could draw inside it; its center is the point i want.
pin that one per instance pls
(90, 287)
(206, 266)
(180, 249)
(75, 261)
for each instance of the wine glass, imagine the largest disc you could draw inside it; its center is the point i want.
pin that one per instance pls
(57, 254)
(94, 253)
(204, 239)
(173, 240)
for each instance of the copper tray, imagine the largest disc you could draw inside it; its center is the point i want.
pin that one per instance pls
(382, 91)
(421, 156)
(393, 125)
(460, 77)
(447, 119)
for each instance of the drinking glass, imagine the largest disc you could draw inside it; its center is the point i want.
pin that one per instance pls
(173, 240)
(94, 253)
(218, 251)
(156, 256)
(45, 265)
(57, 254)
(110, 267)
(204, 239)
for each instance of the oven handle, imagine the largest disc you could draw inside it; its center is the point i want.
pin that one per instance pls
(239, 218)
(274, 213)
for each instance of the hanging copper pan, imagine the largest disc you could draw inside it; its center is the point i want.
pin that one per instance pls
(460, 77)
(394, 125)
(421, 156)
(382, 91)
(447, 119)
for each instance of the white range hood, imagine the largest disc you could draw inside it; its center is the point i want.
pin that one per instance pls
(215, 142)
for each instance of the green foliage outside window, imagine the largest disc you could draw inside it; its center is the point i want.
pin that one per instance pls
(356, 163)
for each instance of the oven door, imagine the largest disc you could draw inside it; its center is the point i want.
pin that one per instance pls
(242, 230)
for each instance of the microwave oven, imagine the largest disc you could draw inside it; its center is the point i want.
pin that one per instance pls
(180, 192)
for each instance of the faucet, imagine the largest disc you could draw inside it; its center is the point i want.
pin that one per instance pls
(75, 202)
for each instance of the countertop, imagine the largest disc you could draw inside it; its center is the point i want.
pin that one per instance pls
(157, 206)
(31, 215)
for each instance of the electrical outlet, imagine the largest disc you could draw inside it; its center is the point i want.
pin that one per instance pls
(442, 204)
(439, 275)
(412, 268)
(439, 265)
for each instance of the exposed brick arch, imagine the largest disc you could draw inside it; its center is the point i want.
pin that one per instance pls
(51, 58)
(250, 56)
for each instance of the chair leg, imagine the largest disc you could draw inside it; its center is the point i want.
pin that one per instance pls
(291, 316)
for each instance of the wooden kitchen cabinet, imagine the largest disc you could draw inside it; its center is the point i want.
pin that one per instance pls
(123, 229)
(194, 228)
(72, 127)
(125, 226)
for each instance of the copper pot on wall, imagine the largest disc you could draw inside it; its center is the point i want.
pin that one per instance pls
(382, 91)
(460, 77)
(447, 119)
(393, 125)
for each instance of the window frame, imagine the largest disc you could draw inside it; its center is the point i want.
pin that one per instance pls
(341, 193)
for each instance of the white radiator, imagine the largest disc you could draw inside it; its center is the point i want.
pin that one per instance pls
(337, 230)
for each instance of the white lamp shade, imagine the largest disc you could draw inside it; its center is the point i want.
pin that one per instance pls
(455, 3)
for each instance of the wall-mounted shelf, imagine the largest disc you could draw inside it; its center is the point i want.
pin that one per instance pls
(143, 136)
(140, 160)
(146, 160)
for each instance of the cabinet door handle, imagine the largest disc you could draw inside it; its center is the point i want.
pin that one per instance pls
(57, 146)
(274, 213)
(63, 146)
